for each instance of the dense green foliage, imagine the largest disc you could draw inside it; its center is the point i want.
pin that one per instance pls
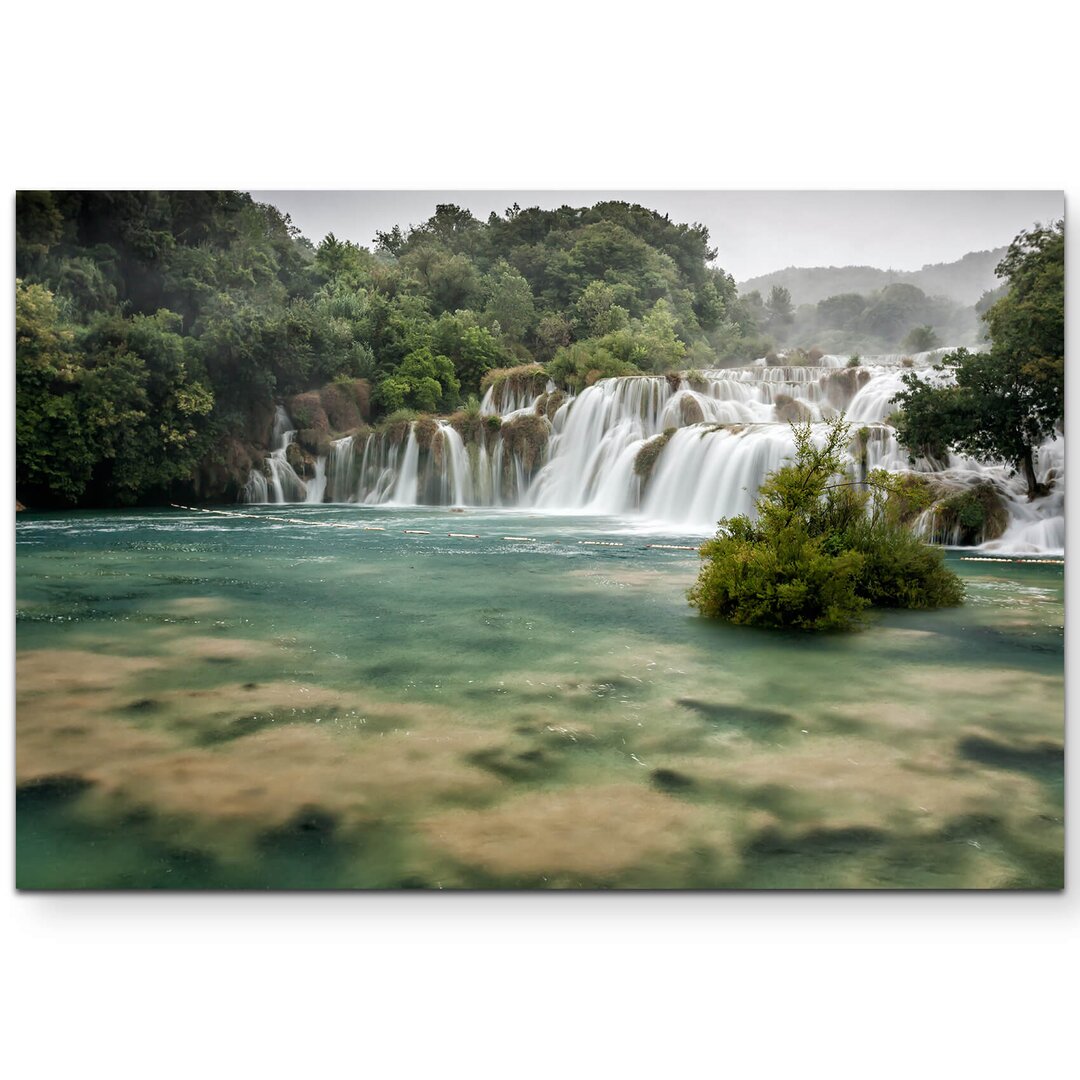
(1004, 402)
(156, 326)
(821, 550)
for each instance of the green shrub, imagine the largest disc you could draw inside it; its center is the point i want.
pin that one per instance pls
(785, 579)
(822, 550)
(900, 571)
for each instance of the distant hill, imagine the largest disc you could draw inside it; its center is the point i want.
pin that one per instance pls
(963, 281)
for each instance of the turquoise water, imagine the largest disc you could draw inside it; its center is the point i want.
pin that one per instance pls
(208, 701)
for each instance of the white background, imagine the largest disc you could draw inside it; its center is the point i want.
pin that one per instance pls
(570, 95)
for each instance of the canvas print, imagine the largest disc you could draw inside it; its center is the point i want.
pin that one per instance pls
(539, 540)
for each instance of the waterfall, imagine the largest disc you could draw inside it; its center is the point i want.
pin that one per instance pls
(279, 482)
(404, 491)
(719, 434)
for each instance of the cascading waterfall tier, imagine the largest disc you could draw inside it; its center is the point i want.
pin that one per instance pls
(714, 436)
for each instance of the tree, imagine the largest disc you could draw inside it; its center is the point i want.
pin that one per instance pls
(473, 349)
(921, 339)
(822, 549)
(1005, 402)
(657, 347)
(779, 306)
(52, 452)
(509, 301)
(422, 381)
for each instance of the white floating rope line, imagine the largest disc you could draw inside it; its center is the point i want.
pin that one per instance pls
(673, 547)
(602, 543)
(526, 539)
(267, 517)
(465, 536)
(1001, 558)
(418, 532)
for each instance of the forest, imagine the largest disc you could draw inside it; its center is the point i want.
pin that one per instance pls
(156, 329)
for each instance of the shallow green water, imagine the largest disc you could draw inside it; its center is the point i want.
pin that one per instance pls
(226, 702)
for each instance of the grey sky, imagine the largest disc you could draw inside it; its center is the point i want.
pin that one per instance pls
(754, 231)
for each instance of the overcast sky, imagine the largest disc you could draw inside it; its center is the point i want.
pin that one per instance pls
(754, 231)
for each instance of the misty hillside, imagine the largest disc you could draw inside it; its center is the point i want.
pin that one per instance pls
(963, 281)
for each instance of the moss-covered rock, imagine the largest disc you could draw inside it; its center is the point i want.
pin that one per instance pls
(527, 438)
(504, 383)
(360, 441)
(915, 493)
(548, 404)
(307, 411)
(475, 428)
(690, 411)
(224, 471)
(843, 384)
(314, 441)
(971, 516)
(425, 429)
(301, 462)
(646, 457)
(259, 426)
(791, 411)
(395, 428)
(346, 403)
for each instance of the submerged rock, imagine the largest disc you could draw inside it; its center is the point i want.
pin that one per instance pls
(671, 780)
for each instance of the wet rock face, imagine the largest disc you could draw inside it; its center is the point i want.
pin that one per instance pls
(548, 404)
(345, 403)
(690, 411)
(224, 470)
(307, 411)
(314, 441)
(646, 458)
(791, 411)
(425, 431)
(527, 437)
(972, 516)
(302, 462)
(506, 383)
(842, 385)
